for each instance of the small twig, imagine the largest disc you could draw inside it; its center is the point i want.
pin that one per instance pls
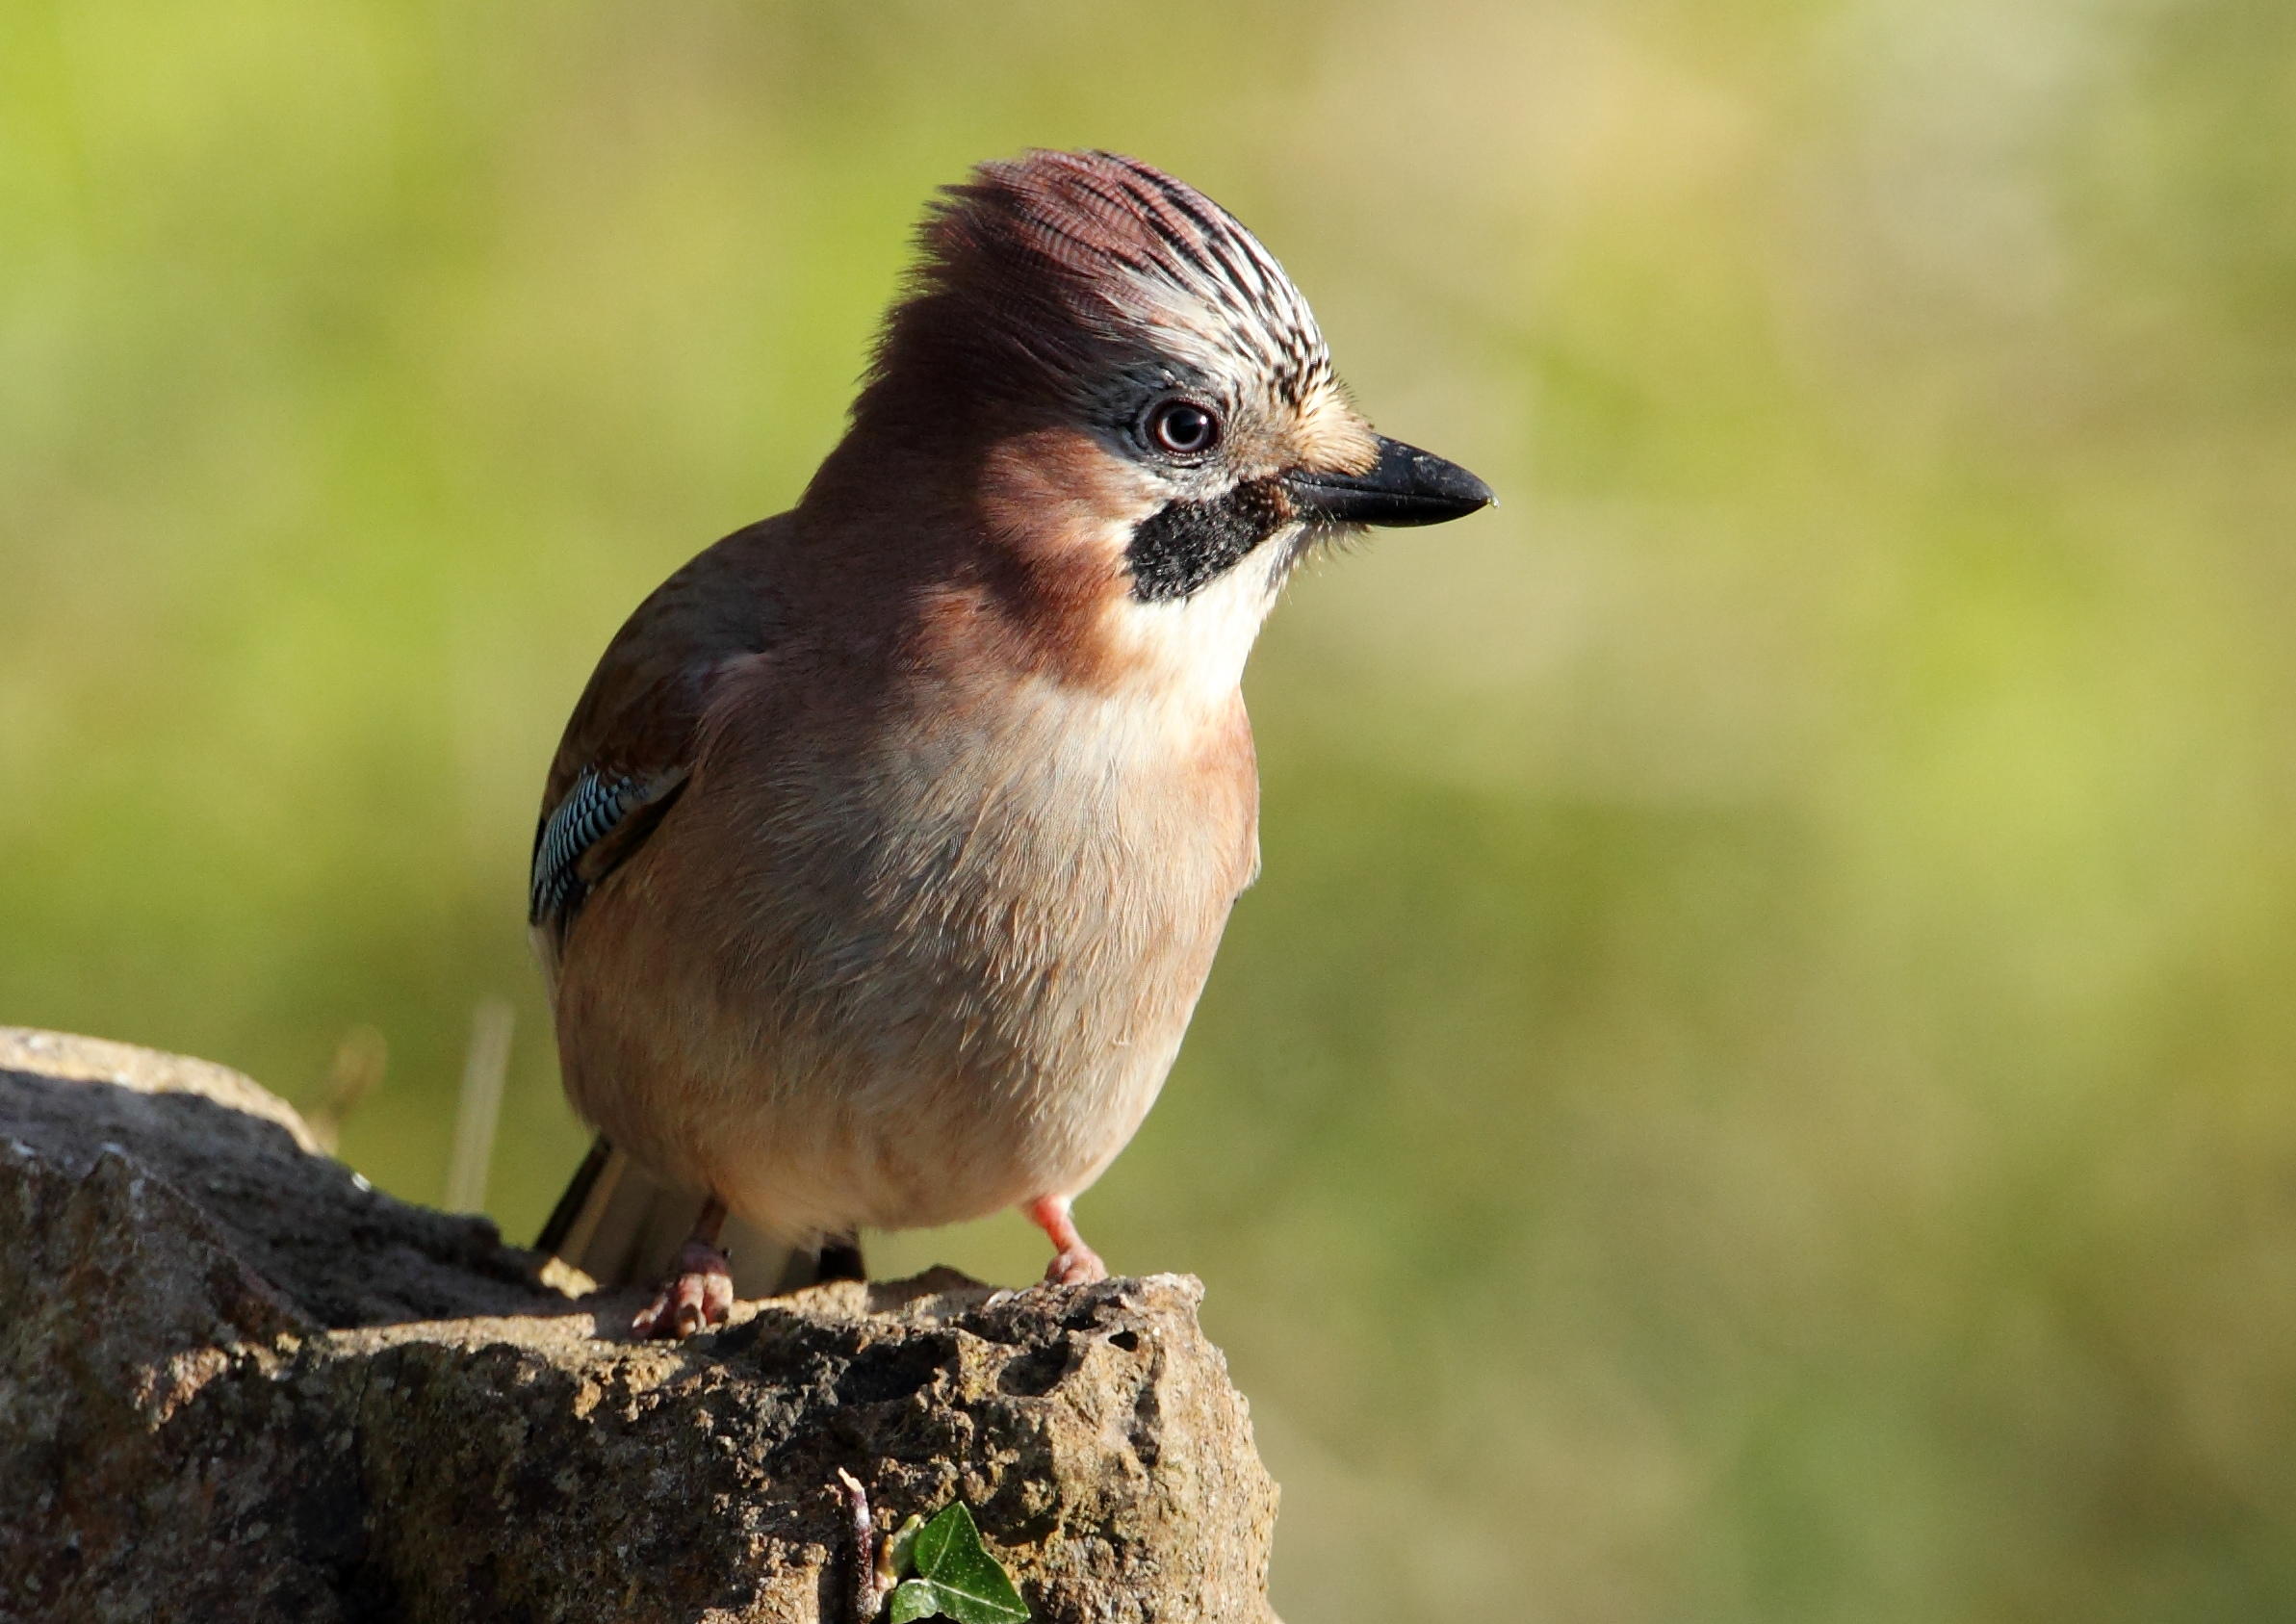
(360, 1060)
(872, 1558)
(483, 1069)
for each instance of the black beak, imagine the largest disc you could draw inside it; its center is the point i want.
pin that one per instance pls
(1405, 486)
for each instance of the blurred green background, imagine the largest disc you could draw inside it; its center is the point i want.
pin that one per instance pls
(1756, 1085)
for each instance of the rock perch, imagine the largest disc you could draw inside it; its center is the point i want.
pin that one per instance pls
(236, 1383)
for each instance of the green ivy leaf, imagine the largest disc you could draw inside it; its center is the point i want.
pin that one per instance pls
(956, 1577)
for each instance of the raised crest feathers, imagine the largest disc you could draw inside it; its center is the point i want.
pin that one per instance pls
(1058, 250)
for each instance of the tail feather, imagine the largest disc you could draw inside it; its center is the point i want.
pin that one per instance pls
(572, 1200)
(622, 1226)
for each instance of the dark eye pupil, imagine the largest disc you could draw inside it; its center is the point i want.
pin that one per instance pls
(1183, 427)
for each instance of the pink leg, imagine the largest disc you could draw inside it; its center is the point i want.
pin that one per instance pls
(699, 1289)
(1075, 1264)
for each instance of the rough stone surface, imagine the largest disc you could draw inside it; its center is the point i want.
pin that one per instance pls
(236, 1383)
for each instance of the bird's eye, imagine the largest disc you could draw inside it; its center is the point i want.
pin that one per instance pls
(1184, 428)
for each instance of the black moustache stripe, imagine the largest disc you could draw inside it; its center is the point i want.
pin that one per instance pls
(1185, 546)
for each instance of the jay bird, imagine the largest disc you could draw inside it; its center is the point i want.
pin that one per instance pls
(885, 854)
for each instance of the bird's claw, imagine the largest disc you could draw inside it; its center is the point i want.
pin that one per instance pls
(1075, 1266)
(699, 1295)
(1074, 1263)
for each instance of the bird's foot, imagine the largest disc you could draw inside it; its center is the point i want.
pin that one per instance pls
(1074, 1263)
(698, 1295)
(1075, 1266)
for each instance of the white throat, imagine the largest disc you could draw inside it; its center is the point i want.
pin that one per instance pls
(1192, 649)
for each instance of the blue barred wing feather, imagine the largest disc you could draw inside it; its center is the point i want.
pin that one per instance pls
(595, 825)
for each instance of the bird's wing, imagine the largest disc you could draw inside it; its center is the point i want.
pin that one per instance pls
(600, 821)
(629, 751)
(630, 748)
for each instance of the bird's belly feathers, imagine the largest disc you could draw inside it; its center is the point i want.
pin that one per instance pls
(938, 978)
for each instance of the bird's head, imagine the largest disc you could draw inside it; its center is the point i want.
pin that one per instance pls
(1137, 405)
